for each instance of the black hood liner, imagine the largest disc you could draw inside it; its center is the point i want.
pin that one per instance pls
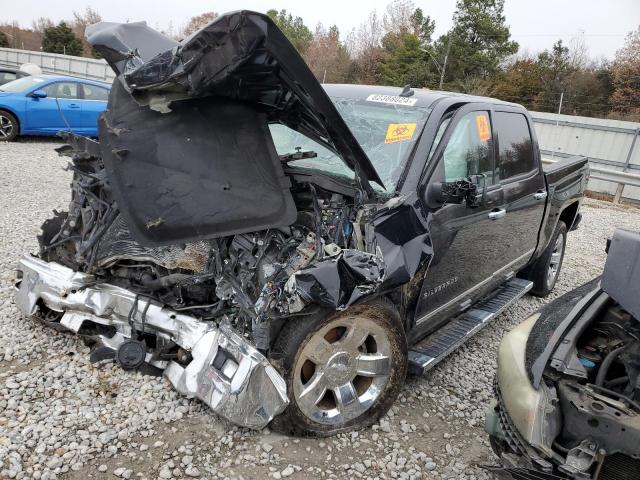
(207, 169)
(240, 56)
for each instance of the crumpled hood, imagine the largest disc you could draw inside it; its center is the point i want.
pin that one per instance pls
(240, 56)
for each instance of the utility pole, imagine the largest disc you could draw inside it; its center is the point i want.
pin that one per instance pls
(444, 64)
(560, 106)
(441, 68)
(558, 122)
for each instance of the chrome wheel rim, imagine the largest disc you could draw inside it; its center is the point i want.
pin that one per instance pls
(6, 127)
(554, 262)
(342, 370)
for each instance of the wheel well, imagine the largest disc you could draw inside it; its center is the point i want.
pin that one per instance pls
(568, 215)
(14, 114)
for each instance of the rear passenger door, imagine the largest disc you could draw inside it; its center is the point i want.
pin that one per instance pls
(93, 104)
(518, 171)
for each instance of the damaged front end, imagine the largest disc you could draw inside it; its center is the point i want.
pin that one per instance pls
(568, 384)
(186, 246)
(202, 360)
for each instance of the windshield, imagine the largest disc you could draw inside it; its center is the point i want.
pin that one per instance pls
(21, 84)
(386, 132)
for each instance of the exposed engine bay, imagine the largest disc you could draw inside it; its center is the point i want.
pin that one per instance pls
(206, 312)
(601, 413)
(248, 278)
(577, 414)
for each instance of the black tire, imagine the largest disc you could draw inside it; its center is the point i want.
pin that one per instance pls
(289, 352)
(9, 126)
(539, 272)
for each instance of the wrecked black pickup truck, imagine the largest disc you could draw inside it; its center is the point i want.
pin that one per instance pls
(568, 382)
(284, 250)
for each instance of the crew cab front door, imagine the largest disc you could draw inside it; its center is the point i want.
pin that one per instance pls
(477, 247)
(467, 241)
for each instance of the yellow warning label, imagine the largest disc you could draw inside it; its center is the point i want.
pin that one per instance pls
(484, 132)
(399, 132)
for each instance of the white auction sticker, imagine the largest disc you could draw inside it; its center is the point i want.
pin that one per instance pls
(395, 99)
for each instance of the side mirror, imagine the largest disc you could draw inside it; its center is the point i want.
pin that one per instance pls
(39, 94)
(439, 193)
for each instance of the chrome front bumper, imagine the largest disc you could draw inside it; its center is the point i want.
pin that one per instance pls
(226, 372)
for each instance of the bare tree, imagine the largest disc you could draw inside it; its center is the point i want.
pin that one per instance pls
(398, 17)
(327, 56)
(578, 52)
(197, 22)
(22, 38)
(79, 23)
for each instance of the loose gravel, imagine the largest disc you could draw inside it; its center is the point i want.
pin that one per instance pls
(61, 417)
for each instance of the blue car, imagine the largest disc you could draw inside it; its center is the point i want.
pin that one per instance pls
(46, 104)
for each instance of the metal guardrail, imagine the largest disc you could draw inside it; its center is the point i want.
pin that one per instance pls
(621, 178)
(90, 68)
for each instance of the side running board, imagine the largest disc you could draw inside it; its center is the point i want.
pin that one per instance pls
(430, 351)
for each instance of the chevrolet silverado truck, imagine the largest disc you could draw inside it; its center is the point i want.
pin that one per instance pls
(568, 382)
(284, 250)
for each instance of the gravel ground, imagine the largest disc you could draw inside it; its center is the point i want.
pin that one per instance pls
(61, 417)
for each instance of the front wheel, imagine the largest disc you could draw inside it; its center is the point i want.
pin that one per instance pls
(545, 271)
(9, 128)
(343, 371)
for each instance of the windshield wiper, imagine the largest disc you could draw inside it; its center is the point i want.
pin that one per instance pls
(298, 155)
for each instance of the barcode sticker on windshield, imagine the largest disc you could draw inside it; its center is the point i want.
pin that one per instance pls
(399, 132)
(395, 99)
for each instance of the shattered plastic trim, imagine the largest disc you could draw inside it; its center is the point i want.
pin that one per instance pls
(247, 390)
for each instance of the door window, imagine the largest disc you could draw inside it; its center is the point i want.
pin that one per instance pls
(515, 145)
(93, 92)
(68, 90)
(469, 150)
(7, 77)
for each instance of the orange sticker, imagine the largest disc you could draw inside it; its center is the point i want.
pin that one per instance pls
(399, 132)
(484, 132)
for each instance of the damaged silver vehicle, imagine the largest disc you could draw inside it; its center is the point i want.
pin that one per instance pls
(568, 381)
(280, 249)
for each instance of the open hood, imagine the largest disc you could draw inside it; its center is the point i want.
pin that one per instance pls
(185, 139)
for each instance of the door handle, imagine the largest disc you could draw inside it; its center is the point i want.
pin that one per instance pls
(540, 195)
(74, 105)
(497, 213)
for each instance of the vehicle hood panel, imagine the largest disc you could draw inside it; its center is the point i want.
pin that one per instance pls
(207, 169)
(241, 61)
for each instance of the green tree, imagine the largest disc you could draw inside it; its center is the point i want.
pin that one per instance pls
(293, 28)
(4, 40)
(61, 39)
(555, 67)
(403, 60)
(478, 42)
(406, 46)
(520, 82)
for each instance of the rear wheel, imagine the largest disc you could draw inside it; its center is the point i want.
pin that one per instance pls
(544, 273)
(343, 371)
(9, 128)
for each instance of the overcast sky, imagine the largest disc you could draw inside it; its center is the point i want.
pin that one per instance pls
(535, 24)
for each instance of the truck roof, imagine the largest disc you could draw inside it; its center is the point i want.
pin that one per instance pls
(424, 96)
